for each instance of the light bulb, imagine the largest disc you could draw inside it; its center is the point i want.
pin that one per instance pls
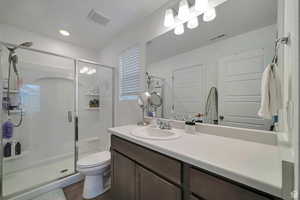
(91, 71)
(209, 15)
(169, 18)
(64, 32)
(193, 23)
(179, 29)
(84, 70)
(184, 10)
(201, 5)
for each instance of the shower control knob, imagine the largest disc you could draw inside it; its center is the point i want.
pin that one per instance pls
(221, 117)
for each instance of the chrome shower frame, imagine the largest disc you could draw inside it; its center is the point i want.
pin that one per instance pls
(76, 73)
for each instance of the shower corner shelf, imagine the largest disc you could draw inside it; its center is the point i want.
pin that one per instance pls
(93, 108)
(92, 94)
(16, 111)
(15, 157)
(11, 91)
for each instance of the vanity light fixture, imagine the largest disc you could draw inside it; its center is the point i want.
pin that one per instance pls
(179, 29)
(189, 14)
(184, 10)
(169, 18)
(193, 23)
(64, 33)
(209, 15)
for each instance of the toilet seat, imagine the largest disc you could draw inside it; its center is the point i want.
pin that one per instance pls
(94, 160)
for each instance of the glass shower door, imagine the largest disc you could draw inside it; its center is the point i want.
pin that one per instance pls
(46, 99)
(95, 107)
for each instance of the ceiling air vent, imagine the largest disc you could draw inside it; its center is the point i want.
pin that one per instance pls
(218, 37)
(98, 18)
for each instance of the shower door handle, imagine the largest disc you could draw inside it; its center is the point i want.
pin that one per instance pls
(70, 116)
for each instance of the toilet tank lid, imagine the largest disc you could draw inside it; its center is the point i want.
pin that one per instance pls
(95, 159)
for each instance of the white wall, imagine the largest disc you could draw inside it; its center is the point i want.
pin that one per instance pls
(127, 112)
(291, 89)
(209, 56)
(15, 35)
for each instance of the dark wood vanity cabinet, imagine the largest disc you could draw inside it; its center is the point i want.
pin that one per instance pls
(153, 187)
(192, 197)
(139, 173)
(210, 187)
(123, 177)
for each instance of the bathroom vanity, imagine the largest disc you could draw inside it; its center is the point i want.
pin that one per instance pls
(190, 167)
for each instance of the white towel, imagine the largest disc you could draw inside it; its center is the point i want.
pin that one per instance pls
(271, 98)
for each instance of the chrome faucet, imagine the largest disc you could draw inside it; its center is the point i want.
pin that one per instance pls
(163, 124)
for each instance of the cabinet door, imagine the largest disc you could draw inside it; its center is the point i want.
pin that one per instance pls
(213, 188)
(123, 177)
(192, 197)
(152, 187)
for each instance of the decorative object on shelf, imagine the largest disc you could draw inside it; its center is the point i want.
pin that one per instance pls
(94, 103)
(190, 14)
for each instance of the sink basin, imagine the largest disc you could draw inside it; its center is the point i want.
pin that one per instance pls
(152, 133)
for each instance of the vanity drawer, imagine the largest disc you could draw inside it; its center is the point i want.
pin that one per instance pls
(213, 188)
(168, 168)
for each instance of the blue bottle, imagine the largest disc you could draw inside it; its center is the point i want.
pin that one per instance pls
(7, 129)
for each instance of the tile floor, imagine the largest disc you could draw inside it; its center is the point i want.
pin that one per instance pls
(74, 192)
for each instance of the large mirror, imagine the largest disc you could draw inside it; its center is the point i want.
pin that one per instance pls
(213, 73)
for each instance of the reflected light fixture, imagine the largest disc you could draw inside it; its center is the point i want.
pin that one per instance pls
(91, 71)
(179, 29)
(84, 70)
(184, 10)
(64, 32)
(169, 18)
(193, 23)
(201, 5)
(209, 15)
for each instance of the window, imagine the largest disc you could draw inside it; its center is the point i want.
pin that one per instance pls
(130, 73)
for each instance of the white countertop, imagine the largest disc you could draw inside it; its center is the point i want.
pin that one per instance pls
(254, 164)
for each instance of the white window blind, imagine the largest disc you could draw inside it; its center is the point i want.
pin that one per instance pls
(130, 73)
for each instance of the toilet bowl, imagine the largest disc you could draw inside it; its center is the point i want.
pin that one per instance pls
(96, 169)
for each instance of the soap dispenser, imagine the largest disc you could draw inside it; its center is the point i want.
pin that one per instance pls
(18, 149)
(7, 150)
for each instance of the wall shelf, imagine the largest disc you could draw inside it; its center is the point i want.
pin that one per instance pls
(15, 157)
(91, 108)
(92, 94)
(15, 111)
(11, 91)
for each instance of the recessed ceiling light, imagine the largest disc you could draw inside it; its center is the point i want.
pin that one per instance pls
(64, 32)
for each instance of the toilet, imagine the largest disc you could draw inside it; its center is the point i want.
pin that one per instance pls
(96, 169)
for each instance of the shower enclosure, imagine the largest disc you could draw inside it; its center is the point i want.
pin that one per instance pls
(66, 105)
